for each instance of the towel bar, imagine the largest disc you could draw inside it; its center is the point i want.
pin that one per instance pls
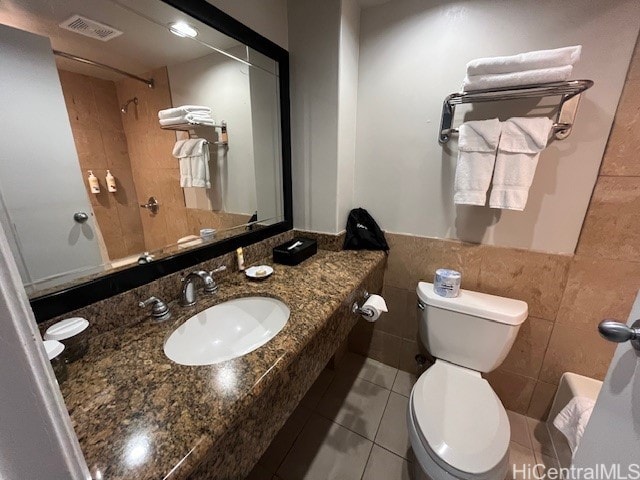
(568, 91)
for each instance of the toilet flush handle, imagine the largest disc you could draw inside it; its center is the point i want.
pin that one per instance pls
(420, 305)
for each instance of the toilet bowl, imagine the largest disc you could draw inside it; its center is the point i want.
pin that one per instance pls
(457, 425)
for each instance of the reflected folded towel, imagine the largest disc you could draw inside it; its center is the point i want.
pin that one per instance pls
(573, 419)
(536, 60)
(193, 155)
(521, 142)
(500, 80)
(477, 144)
(192, 118)
(182, 110)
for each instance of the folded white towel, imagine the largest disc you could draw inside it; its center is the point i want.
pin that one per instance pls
(573, 419)
(193, 155)
(477, 144)
(182, 110)
(536, 60)
(500, 80)
(521, 142)
(191, 118)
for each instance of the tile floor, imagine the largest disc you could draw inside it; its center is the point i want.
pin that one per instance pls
(351, 425)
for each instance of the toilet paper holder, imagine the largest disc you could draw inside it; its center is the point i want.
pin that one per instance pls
(355, 308)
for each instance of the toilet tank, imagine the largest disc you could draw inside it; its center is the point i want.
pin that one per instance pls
(474, 330)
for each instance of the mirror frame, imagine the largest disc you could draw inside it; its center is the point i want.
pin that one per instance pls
(66, 300)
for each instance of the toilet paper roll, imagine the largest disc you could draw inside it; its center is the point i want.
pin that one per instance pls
(376, 305)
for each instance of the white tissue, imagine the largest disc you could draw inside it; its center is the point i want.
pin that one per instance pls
(376, 305)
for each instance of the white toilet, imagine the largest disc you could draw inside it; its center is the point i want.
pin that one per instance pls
(457, 425)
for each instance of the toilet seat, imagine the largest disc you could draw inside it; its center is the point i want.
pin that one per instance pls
(460, 421)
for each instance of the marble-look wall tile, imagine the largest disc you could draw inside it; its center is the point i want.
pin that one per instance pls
(537, 278)
(514, 390)
(612, 226)
(598, 289)
(527, 353)
(413, 259)
(541, 400)
(578, 350)
(326, 241)
(365, 340)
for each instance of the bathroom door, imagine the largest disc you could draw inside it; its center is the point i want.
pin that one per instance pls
(40, 178)
(612, 436)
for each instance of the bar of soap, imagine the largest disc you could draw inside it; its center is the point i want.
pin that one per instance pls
(261, 273)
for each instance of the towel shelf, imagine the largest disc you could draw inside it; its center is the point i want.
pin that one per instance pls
(569, 92)
(185, 127)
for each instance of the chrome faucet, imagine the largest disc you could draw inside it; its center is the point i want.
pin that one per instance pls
(189, 295)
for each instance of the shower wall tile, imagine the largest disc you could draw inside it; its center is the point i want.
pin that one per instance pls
(98, 132)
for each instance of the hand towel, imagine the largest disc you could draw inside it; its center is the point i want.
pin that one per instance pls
(477, 144)
(520, 145)
(182, 110)
(573, 419)
(193, 156)
(536, 60)
(500, 80)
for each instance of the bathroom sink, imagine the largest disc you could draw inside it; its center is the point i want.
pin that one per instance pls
(227, 330)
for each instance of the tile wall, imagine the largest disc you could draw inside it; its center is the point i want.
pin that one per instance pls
(96, 123)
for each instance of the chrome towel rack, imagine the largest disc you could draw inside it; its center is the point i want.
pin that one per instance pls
(569, 93)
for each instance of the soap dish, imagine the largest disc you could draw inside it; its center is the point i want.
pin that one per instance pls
(259, 272)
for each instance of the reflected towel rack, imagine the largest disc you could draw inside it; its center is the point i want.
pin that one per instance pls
(190, 127)
(569, 92)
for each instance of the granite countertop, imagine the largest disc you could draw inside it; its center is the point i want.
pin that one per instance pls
(139, 415)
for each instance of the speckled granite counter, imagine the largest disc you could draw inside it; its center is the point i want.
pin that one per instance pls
(139, 415)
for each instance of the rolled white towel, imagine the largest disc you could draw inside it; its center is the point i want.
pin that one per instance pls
(536, 60)
(501, 80)
(182, 110)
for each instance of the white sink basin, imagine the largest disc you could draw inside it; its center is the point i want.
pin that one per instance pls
(227, 330)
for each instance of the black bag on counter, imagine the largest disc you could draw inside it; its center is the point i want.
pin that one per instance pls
(363, 233)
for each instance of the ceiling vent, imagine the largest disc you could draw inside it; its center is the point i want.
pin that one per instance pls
(90, 28)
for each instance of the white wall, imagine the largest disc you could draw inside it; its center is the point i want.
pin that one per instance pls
(413, 53)
(267, 17)
(349, 49)
(221, 83)
(314, 32)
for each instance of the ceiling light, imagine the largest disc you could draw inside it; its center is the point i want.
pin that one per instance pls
(183, 29)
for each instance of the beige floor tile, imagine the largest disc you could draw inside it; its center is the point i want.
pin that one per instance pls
(373, 371)
(519, 429)
(384, 465)
(315, 393)
(355, 404)
(326, 451)
(393, 434)
(404, 383)
(281, 444)
(540, 438)
(521, 462)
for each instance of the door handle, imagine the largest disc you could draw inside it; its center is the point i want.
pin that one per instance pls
(80, 217)
(618, 332)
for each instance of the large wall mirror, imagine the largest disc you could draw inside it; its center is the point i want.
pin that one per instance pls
(137, 139)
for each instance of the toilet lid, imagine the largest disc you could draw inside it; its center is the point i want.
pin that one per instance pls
(461, 418)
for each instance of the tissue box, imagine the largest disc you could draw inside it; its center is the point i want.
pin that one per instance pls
(286, 255)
